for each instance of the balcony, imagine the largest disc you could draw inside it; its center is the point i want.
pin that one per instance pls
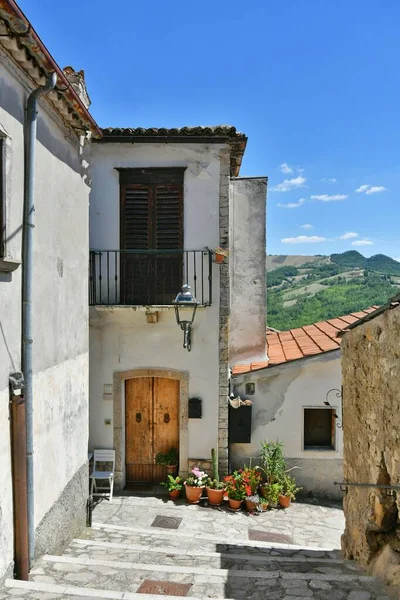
(148, 277)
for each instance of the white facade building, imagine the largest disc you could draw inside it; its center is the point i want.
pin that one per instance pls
(162, 201)
(59, 306)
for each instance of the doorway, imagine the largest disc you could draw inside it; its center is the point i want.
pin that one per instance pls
(151, 426)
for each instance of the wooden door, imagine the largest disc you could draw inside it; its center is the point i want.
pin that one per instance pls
(152, 425)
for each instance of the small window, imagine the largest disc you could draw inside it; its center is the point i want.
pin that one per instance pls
(319, 429)
(250, 389)
(2, 196)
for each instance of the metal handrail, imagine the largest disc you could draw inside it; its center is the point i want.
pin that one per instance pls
(344, 486)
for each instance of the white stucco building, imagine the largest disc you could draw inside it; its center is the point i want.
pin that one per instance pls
(162, 201)
(59, 303)
(289, 392)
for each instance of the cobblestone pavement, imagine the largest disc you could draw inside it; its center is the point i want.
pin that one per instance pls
(213, 552)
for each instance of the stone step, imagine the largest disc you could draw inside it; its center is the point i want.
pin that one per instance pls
(263, 558)
(159, 535)
(49, 591)
(239, 581)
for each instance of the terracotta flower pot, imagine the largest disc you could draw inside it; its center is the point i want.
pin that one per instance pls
(219, 258)
(193, 493)
(263, 507)
(174, 494)
(234, 504)
(250, 506)
(171, 469)
(263, 490)
(215, 497)
(284, 501)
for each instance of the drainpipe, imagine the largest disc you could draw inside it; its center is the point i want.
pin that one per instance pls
(27, 277)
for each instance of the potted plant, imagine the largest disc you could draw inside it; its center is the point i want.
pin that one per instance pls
(235, 490)
(251, 480)
(288, 492)
(262, 504)
(168, 459)
(220, 254)
(174, 485)
(215, 492)
(215, 488)
(252, 502)
(194, 485)
(271, 494)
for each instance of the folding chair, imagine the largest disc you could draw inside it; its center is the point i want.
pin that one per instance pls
(103, 456)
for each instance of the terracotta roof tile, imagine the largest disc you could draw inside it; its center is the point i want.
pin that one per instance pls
(310, 340)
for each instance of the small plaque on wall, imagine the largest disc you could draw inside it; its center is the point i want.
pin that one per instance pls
(195, 408)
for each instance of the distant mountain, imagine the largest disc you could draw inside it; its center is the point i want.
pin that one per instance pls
(305, 289)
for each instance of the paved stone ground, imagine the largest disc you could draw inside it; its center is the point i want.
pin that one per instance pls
(210, 551)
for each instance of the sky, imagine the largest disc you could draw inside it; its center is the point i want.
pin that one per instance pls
(314, 84)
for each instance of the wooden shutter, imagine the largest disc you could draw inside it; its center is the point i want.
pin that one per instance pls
(168, 217)
(151, 219)
(135, 217)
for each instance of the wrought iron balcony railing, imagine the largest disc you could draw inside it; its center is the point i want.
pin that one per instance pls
(148, 277)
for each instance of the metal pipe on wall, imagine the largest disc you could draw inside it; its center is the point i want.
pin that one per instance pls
(18, 446)
(27, 278)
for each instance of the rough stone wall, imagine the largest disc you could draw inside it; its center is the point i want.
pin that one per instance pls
(224, 311)
(371, 416)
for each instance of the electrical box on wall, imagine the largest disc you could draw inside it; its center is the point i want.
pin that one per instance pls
(195, 408)
(240, 425)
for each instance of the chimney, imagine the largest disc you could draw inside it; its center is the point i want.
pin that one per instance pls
(77, 81)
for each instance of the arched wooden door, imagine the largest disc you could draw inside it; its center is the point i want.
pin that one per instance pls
(151, 425)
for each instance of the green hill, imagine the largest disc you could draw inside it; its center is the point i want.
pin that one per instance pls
(324, 287)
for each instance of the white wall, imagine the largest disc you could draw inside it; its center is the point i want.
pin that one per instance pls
(281, 394)
(60, 312)
(247, 262)
(121, 339)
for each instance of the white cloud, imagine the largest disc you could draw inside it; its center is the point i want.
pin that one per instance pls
(285, 168)
(329, 179)
(362, 243)
(328, 198)
(290, 184)
(293, 204)
(307, 226)
(304, 239)
(375, 189)
(348, 236)
(370, 189)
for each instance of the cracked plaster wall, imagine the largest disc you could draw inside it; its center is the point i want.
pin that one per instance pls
(281, 394)
(60, 331)
(371, 375)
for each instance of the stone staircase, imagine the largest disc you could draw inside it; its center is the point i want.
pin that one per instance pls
(164, 551)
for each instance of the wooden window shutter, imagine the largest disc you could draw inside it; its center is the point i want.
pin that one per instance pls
(135, 217)
(168, 217)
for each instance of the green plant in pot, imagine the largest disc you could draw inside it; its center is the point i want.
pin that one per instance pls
(168, 459)
(174, 486)
(235, 490)
(215, 488)
(289, 489)
(271, 494)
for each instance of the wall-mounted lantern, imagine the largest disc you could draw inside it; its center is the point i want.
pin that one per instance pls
(184, 300)
(339, 395)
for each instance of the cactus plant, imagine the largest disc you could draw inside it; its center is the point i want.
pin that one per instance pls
(214, 460)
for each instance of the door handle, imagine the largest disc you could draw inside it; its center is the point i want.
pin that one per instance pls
(166, 418)
(138, 417)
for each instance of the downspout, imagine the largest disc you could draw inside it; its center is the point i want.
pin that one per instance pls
(27, 278)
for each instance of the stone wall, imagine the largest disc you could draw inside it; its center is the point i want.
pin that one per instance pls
(371, 402)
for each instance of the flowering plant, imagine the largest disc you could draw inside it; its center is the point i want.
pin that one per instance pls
(251, 480)
(197, 479)
(235, 486)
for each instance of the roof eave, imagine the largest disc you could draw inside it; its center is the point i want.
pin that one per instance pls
(392, 303)
(22, 37)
